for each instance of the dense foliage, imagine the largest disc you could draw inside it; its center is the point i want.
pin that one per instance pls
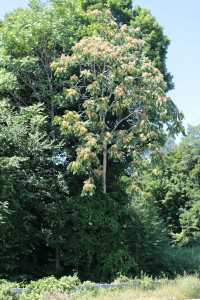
(85, 185)
(176, 190)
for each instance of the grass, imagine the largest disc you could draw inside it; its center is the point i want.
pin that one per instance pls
(182, 288)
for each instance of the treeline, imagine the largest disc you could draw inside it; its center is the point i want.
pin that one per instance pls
(87, 185)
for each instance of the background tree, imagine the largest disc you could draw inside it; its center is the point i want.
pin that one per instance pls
(30, 39)
(176, 190)
(190, 166)
(121, 10)
(28, 186)
(156, 41)
(151, 31)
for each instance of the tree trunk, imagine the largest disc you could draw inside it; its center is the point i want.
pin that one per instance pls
(52, 120)
(104, 165)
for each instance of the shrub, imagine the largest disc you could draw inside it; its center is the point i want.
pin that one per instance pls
(49, 284)
(6, 292)
(184, 260)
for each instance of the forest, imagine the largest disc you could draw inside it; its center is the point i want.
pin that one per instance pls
(92, 183)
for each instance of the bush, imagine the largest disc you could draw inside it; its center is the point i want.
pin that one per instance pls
(42, 289)
(184, 260)
(49, 284)
(6, 292)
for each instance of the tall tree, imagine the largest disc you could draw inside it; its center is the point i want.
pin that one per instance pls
(30, 39)
(116, 99)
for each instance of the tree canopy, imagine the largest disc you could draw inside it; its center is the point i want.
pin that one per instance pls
(115, 100)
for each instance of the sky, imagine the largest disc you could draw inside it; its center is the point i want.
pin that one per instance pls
(181, 22)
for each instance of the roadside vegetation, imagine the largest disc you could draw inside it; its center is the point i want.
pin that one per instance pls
(187, 287)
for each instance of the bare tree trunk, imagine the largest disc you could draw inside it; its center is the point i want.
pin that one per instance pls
(104, 165)
(52, 119)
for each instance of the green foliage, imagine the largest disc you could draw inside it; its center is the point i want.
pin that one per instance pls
(50, 284)
(6, 292)
(25, 180)
(176, 191)
(190, 225)
(190, 165)
(185, 260)
(92, 224)
(121, 10)
(147, 238)
(156, 42)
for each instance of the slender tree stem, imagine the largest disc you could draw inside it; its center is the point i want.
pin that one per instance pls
(104, 166)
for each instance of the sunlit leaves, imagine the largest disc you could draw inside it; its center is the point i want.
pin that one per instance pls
(119, 94)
